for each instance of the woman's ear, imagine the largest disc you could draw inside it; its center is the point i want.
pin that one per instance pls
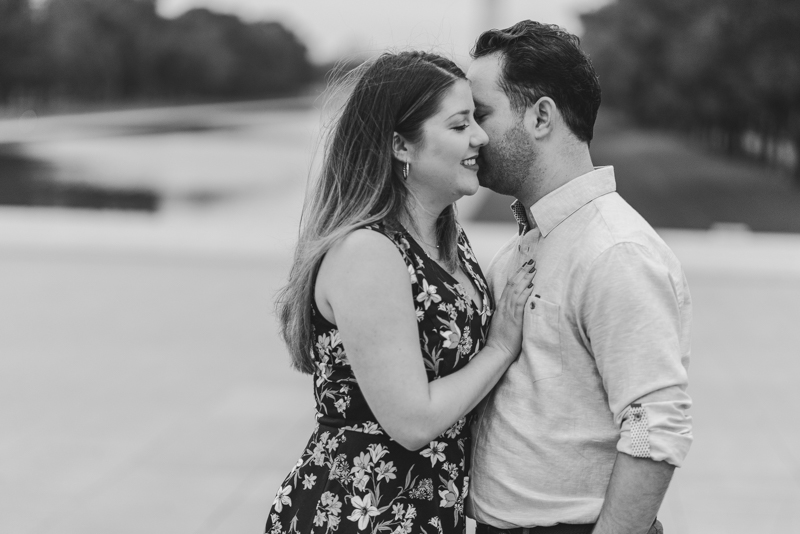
(400, 148)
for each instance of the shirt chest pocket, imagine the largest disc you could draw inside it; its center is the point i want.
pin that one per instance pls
(541, 340)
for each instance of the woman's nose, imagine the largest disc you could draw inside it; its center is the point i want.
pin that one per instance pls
(479, 138)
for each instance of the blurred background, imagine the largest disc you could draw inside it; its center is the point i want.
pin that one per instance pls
(153, 159)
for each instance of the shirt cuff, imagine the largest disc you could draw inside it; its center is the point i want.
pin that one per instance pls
(660, 431)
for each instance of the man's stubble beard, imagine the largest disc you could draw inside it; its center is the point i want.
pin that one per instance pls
(507, 163)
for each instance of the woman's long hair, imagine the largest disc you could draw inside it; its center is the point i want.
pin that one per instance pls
(360, 181)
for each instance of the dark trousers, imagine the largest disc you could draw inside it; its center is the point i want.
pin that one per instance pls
(560, 528)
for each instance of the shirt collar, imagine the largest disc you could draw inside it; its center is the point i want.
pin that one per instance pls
(520, 215)
(555, 207)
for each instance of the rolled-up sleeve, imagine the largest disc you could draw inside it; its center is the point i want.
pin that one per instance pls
(632, 312)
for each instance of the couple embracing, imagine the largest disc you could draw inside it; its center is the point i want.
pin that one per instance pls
(546, 398)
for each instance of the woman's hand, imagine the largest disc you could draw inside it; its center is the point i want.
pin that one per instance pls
(505, 334)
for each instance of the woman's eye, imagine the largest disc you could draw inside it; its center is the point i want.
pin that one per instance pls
(462, 127)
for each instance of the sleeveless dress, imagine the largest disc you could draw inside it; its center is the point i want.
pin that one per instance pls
(352, 477)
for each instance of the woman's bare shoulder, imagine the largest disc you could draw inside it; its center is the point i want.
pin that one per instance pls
(364, 269)
(366, 244)
(365, 252)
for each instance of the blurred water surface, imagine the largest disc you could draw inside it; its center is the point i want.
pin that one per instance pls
(218, 176)
(191, 156)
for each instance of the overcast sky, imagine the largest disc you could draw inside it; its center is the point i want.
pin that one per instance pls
(333, 28)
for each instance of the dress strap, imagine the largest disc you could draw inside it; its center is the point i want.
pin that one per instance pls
(395, 236)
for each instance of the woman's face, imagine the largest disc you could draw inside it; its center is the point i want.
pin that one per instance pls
(443, 163)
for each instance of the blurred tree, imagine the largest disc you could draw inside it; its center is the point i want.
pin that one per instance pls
(121, 50)
(210, 53)
(270, 56)
(17, 69)
(724, 67)
(193, 58)
(95, 46)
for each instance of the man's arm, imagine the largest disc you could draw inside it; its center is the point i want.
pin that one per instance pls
(634, 495)
(631, 313)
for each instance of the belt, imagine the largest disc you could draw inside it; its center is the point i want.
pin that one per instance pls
(559, 528)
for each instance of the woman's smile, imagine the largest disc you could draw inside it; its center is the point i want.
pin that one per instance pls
(471, 163)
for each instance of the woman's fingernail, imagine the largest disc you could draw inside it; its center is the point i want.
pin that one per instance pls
(533, 270)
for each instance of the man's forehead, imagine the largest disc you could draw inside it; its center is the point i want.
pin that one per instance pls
(484, 73)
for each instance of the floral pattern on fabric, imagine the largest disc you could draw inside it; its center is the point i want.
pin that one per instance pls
(352, 477)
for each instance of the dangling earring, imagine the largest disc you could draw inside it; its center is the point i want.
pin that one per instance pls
(406, 168)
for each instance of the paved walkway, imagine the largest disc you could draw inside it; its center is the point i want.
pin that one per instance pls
(145, 389)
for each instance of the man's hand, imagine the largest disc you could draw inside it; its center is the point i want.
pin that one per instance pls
(634, 495)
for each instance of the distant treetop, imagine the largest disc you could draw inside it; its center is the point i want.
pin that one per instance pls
(120, 50)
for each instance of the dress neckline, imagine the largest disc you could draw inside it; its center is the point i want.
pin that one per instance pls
(463, 260)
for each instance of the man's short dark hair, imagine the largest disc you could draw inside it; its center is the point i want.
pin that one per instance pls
(545, 60)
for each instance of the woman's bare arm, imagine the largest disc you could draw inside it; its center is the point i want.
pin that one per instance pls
(365, 283)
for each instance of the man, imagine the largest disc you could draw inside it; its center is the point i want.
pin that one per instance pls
(585, 429)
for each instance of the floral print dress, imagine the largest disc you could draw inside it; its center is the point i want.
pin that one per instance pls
(352, 477)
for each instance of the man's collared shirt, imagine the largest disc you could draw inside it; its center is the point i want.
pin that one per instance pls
(603, 366)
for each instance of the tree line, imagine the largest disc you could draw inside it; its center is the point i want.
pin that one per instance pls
(122, 50)
(727, 70)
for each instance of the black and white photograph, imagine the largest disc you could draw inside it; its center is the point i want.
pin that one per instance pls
(418, 267)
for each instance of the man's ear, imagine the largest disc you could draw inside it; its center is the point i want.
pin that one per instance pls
(540, 118)
(400, 148)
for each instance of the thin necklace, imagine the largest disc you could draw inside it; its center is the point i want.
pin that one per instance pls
(418, 238)
(423, 242)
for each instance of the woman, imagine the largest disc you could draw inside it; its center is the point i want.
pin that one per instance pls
(388, 308)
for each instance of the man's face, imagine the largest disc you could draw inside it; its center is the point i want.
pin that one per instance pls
(505, 163)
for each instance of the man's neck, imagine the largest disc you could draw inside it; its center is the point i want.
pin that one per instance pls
(551, 173)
